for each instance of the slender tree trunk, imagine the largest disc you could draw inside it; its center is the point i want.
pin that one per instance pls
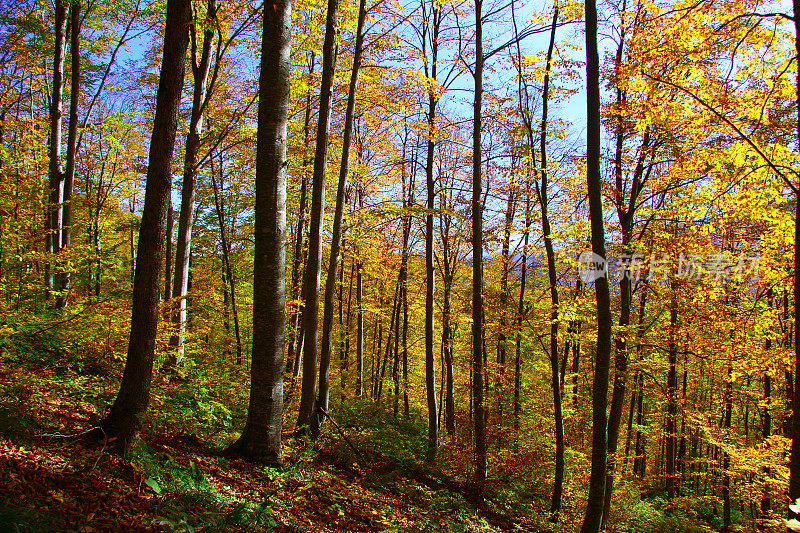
(406, 407)
(629, 432)
(639, 461)
(295, 336)
(597, 485)
(525, 111)
(502, 339)
(794, 464)
(261, 438)
(635, 395)
(344, 169)
(432, 27)
(168, 260)
(124, 418)
(226, 317)
(183, 245)
(477, 261)
(55, 178)
(132, 234)
(672, 404)
(359, 331)
(98, 254)
(726, 459)
(344, 328)
(72, 146)
(625, 214)
(308, 412)
(788, 376)
(389, 333)
(555, 380)
(219, 207)
(523, 281)
(376, 356)
(766, 424)
(447, 347)
(576, 349)
(396, 352)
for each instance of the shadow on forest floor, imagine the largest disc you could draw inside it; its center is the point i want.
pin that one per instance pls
(179, 483)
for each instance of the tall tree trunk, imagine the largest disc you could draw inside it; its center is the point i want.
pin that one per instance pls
(219, 207)
(389, 338)
(726, 459)
(261, 437)
(344, 329)
(359, 331)
(445, 222)
(124, 418)
(168, 260)
(344, 169)
(523, 281)
(200, 69)
(406, 407)
(523, 105)
(294, 352)
(72, 147)
(502, 339)
(639, 461)
(555, 380)
(766, 421)
(307, 414)
(376, 353)
(635, 395)
(447, 347)
(597, 485)
(54, 176)
(226, 318)
(431, 29)
(626, 215)
(788, 375)
(477, 261)
(672, 402)
(794, 464)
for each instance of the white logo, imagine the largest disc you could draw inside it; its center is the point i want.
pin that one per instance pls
(591, 266)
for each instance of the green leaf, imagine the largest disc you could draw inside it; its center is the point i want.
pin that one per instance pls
(153, 484)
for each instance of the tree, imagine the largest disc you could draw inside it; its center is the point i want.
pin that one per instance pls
(200, 95)
(123, 420)
(597, 481)
(311, 275)
(477, 259)
(72, 142)
(261, 437)
(794, 464)
(54, 177)
(541, 189)
(431, 24)
(336, 239)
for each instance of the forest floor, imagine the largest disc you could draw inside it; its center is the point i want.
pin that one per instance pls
(180, 482)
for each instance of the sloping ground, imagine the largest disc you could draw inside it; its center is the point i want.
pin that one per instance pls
(177, 483)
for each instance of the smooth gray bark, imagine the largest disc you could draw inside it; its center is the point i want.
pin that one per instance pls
(261, 437)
